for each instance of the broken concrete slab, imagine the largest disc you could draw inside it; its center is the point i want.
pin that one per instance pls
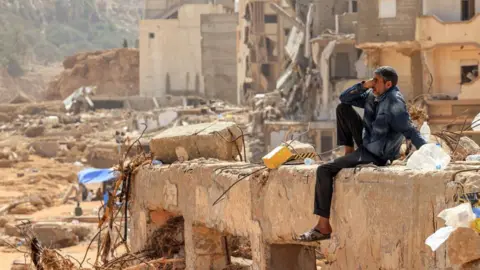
(34, 131)
(46, 148)
(59, 234)
(221, 140)
(270, 207)
(300, 148)
(463, 246)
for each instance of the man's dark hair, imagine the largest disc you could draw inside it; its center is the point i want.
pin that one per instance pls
(388, 74)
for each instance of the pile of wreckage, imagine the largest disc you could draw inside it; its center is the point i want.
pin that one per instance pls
(306, 73)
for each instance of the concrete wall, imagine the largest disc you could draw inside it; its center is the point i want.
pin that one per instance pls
(430, 31)
(381, 217)
(156, 9)
(219, 65)
(371, 28)
(325, 11)
(348, 22)
(446, 10)
(170, 53)
(447, 67)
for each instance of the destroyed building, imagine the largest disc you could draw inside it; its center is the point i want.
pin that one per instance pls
(294, 60)
(177, 42)
(433, 45)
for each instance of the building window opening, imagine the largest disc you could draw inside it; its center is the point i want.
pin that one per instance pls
(387, 8)
(265, 70)
(270, 18)
(354, 6)
(151, 35)
(468, 9)
(469, 73)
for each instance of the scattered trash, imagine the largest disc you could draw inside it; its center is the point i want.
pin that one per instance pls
(429, 157)
(425, 131)
(308, 161)
(476, 211)
(435, 240)
(473, 158)
(476, 225)
(156, 162)
(455, 217)
(51, 121)
(78, 163)
(459, 216)
(476, 123)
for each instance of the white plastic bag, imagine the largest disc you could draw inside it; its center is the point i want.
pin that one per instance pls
(435, 240)
(429, 157)
(459, 216)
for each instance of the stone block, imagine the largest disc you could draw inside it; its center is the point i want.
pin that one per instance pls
(45, 148)
(208, 140)
(35, 131)
(301, 148)
(12, 230)
(55, 234)
(463, 246)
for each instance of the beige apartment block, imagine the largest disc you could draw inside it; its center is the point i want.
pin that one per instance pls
(171, 53)
(434, 46)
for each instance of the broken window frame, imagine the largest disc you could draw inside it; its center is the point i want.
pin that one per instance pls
(464, 70)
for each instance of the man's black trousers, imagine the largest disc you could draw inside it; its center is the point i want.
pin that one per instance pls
(349, 129)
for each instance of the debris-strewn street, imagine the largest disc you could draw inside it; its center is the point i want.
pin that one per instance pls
(305, 135)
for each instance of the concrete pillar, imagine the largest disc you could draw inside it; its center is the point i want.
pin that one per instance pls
(204, 248)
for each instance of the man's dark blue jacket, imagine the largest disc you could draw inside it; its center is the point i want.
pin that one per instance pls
(385, 121)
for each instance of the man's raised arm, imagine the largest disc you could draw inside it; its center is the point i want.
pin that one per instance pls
(355, 95)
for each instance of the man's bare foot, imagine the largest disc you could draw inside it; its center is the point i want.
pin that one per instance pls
(349, 150)
(323, 226)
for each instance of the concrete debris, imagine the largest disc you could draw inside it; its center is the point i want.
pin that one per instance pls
(114, 72)
(463, 246)
(34, 131)
(221, 140)
(60, 235)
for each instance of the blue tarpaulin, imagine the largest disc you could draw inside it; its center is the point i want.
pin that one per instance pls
(93, 175)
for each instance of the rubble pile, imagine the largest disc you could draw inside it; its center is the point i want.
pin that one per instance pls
(114, 72)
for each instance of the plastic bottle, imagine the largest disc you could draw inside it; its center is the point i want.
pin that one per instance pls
(429, 157)
(425, 131)
(308, 161)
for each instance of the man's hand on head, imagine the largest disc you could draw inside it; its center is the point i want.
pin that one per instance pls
(368, 84)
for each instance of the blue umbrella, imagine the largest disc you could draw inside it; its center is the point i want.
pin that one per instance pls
(93, 175)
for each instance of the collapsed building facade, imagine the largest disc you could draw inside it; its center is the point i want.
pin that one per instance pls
(294, 58)
(434, 48)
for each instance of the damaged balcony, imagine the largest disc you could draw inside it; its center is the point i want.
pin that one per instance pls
(432, 31)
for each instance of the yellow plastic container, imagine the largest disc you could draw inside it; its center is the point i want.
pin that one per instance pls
(476, 225)
(277, 157)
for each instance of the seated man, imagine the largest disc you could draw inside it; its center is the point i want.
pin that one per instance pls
(378, 137)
